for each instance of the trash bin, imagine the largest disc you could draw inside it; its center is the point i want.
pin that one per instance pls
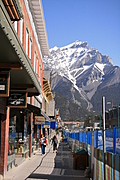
(80, 159)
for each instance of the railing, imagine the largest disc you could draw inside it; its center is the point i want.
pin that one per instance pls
(81, 139)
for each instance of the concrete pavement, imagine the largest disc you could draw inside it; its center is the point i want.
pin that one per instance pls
(50, 166)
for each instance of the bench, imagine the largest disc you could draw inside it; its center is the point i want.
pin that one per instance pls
(25, 154)
(10, 164)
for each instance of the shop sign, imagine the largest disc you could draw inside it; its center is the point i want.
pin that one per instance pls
(46, 126)
(4, 84)
(17, 100)
(39, 120)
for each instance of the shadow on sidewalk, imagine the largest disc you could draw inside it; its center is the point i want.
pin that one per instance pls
(63, 167)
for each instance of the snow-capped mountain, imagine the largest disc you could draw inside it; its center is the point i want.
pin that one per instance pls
(80, 70)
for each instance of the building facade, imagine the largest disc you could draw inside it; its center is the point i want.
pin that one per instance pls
(23, 44)
(113, 117)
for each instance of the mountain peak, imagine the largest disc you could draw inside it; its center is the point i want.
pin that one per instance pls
(55, 48)
(74, 56)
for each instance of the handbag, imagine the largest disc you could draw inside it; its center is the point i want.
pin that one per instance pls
(44, 144)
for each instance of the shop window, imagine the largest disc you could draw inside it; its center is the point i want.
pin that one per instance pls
(28, 100)
(18, 136)
(37, 66)
(21, 30)
(33, 101)
(11, 140)
(37, 141)
(26, 41)
(15, 25)
(30, 48)
(34, 61)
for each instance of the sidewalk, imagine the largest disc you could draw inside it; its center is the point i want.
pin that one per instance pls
(50, 166)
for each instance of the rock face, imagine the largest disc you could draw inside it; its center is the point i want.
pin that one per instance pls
(82, 74)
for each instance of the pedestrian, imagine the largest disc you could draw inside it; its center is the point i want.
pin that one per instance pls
(42, 141)
(44, 145)
(55, 141)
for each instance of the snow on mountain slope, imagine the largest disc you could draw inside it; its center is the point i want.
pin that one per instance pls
(80, 64)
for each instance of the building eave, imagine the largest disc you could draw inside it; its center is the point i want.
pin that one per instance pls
(38, 17)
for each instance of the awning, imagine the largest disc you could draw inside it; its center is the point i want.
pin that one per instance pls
(47, 91)
(34, 109)
(13, 58)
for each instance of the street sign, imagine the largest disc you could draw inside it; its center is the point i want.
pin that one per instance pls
(4, 84)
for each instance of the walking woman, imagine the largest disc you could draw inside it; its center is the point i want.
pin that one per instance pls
(44, 145)
(55, 141)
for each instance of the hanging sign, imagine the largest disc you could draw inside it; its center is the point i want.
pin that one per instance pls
(4, 84)
(39, 120)
(17, 100)
(46, 126)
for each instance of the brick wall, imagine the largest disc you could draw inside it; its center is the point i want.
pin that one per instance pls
(4, 142)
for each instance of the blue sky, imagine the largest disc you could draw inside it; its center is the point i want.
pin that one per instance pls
(94, 21)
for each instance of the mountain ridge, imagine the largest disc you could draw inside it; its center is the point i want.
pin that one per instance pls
(79, 71)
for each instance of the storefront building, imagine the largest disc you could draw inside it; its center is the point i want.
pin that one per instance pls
(23, 44)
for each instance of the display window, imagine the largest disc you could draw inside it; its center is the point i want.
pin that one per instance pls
(37, 141)
(18, 136)
(11, 141)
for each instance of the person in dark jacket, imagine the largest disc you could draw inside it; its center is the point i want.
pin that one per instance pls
(44, 145)
(54, 142)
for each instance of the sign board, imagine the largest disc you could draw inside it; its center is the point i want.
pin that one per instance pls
(46, 126)
(4, 84)
(39, 120)
(100, 139)
(17, 100)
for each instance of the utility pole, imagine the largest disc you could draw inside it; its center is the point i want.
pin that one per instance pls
(104, 149)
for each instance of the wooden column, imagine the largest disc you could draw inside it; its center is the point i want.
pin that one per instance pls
(30, 136)
(4, 142)
(40, 126)
(35, 132)
(27, 123)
